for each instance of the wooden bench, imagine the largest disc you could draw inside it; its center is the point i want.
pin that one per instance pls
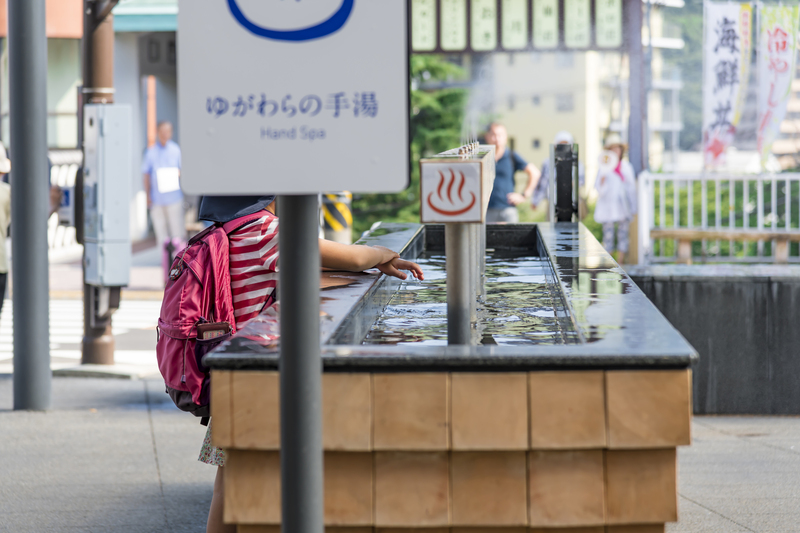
(685, 237)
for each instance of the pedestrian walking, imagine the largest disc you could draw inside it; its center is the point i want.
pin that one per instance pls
(503, 201)
(616, 201)
(161, 169)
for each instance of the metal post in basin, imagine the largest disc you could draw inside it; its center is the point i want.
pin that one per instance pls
(460, 291)
(455, 188)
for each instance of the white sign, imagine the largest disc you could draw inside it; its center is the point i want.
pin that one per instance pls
(545, 23)
(726, 62)
(451, 192)
(777, 54)
(293, 97)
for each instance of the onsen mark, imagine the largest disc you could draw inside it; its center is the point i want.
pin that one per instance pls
(333, 24)
(449, 195)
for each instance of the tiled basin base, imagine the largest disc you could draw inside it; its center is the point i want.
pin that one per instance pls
(567, 451)
(640, 528)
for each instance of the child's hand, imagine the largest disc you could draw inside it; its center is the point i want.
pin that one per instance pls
(394, 266)
(385, 254)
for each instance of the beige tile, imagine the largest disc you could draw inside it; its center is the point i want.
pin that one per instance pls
(591, 529)
(256, 410)
(277, 529)
(490, 411)
(250, 528)
(566, 488)
(412, 530)
(648, 409)
(411, 489)
(410, 411)
(498, 529)
(221, 436)
(567, 410)
(347, 412)
(641, 486)
(348, 489)
(489, 488)
(252, 487)
(645, 528)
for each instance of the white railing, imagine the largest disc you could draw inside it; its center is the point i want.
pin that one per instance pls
(749, 202)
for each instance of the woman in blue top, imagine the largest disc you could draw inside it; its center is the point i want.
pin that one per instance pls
(503, 201)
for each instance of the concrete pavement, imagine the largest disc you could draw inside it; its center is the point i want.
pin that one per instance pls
(113, 456)
(116, 456)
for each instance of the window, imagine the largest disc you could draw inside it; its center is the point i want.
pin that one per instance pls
(565, 103)
(565, 59)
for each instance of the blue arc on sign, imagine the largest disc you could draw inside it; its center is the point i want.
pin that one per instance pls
(323, 29)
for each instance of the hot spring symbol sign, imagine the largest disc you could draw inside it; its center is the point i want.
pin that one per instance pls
(293, 96)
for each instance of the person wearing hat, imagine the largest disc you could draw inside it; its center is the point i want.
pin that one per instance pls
(542, 187)
(5, 220)
(616, 200)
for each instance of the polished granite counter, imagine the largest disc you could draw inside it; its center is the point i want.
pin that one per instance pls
(616, 324)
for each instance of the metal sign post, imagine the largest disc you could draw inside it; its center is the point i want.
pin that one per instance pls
(27, 49)
(294, 99)
(300, 365)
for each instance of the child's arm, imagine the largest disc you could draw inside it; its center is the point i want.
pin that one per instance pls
(355, 258)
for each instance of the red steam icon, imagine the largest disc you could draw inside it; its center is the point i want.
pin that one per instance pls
(457, 207)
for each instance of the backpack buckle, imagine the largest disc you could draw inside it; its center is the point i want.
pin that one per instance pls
(176, 272)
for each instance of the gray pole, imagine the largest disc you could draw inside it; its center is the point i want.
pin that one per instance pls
(300, 366)
(636, 123)
(459, 291)
(27, 58)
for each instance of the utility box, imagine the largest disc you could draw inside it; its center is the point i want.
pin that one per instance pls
(107, 194)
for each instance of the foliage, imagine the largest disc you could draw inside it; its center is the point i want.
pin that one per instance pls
(436, 120)
(690, 61)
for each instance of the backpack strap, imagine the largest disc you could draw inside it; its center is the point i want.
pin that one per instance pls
(239, 223)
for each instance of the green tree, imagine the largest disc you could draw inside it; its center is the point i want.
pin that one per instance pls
(437, 116)
(690, 61)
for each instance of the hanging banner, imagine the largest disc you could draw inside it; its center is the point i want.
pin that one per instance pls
(777, 52)
(726, 61)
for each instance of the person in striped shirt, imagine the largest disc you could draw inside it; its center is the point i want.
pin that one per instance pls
(254, 279)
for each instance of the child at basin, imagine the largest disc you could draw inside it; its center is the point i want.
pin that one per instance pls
(254, 278)
(616, 201)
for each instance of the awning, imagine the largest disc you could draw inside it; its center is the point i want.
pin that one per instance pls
(146, 15)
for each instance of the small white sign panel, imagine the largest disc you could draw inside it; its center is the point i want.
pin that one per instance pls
(293, 97)
(451, 192)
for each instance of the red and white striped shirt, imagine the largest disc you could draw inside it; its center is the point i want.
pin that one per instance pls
(254, 267)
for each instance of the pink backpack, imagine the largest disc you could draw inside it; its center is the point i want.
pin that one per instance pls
(196, 314)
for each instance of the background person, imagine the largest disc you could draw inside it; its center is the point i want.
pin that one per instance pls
(616, 201)
(161, 169)
(503, 201)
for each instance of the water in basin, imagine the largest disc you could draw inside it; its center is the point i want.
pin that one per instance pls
(519, 306)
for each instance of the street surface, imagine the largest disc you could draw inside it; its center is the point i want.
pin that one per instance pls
(134, 328)
(115, 456)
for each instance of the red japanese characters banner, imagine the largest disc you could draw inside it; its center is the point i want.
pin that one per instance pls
(777, 52)
(726, 62)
